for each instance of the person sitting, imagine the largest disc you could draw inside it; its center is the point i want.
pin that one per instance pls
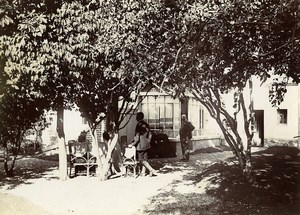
(85, 144)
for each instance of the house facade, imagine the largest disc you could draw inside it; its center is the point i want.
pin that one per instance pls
(163, 113)
(277, 125)
(274, 125)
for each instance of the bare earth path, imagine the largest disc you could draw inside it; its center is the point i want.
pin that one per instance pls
(87, 195)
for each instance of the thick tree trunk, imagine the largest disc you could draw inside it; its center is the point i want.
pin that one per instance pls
(96, 152)
(63, 167)
(112, 126)
(106, 164)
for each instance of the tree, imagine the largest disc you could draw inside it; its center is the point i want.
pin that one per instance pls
(104, 60)
(76, 60)
(22, 100)
(220, 45)
(26, 53)
(95, 53)
(19, 111)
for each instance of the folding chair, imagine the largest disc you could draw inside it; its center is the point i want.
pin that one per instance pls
(129, 161)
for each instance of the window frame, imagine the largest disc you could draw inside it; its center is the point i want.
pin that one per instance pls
(282, 116)
(160, 103)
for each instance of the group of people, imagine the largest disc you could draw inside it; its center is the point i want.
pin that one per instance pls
(141, 141)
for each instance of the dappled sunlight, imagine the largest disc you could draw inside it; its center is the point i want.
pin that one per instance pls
(184, 187)
(269, 155)
(28, 168)
(205, 162)
(206, 183)
(119, 195)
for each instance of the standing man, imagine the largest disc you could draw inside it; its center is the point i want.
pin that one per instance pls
(142, 143)
(185, 134)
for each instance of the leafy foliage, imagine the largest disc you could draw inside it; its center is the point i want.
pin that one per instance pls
(99, 53)
(210, 48)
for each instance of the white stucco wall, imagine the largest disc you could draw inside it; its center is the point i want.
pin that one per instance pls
(73, 124)
(272, 128)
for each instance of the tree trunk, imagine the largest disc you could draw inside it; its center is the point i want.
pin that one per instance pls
(229, 125)
(63, 167)
(112, 118)
(6, 159)
(249, 130)
(96, 152)
(112, 126)
(248, 167)
(38, 139)
(106, 164)
(16, 147)
(9, 171)
(232, 141)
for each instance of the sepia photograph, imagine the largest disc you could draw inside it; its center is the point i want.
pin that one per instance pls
(149, 107)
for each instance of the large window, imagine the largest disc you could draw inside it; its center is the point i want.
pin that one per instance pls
(201, 118)
(196, 116)
(159, 111)
(165, 112)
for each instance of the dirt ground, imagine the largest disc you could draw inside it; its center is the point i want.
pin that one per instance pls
(204, 185)
(44, 193)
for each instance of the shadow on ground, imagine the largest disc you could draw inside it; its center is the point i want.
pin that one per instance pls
(276, 189)
(30, 167)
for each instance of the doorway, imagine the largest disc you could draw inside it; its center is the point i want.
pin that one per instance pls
(258, 137)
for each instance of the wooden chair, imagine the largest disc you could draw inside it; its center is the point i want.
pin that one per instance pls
(80, 158)
(129, 161)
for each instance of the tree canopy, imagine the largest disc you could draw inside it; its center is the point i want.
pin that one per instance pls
(96, 54)
(213, 47)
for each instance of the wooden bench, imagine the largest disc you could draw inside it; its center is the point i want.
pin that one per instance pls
(81, 161)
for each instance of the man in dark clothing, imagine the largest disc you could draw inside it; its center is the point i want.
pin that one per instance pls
(185, 134)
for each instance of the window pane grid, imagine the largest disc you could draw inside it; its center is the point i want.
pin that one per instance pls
(158, 113)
